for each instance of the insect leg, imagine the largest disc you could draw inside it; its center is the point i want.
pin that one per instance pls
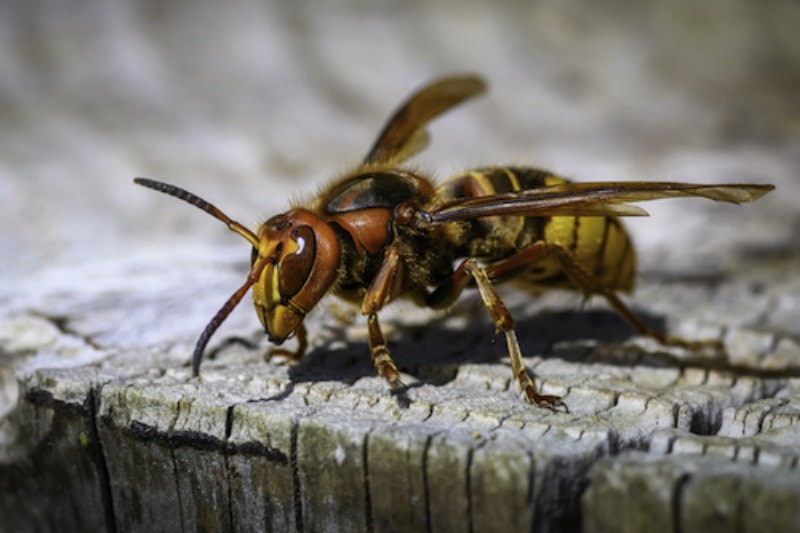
(589, 284)
(294, 355)
(381, 357)
(385, 285)
(447, 293)
(505, 323)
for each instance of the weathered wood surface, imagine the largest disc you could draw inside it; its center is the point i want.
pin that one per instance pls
(105, 286)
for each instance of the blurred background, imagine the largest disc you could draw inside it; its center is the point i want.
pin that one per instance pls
(249, 104)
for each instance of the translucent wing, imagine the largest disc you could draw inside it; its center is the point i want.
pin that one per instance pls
(404, 134)
(588, 199)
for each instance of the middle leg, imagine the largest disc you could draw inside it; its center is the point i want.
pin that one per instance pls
(504, 323)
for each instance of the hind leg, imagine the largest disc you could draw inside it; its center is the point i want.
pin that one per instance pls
(589, 284)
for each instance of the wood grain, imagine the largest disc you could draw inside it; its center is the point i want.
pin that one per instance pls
(106, 286)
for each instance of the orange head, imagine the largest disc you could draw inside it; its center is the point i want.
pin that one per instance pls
(295, 263)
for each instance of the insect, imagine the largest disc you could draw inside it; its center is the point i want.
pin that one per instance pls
(385, 231)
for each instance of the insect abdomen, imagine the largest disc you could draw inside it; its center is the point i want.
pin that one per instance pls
(601, 244)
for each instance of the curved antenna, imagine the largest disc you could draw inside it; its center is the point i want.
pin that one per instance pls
(224, 311)
(236, 227)
(198, 202)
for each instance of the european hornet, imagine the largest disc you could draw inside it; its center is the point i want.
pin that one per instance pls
(384, 231)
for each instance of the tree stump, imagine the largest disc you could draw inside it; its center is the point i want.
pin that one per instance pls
(107, 285)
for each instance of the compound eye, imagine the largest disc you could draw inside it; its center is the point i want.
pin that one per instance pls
(296, 265)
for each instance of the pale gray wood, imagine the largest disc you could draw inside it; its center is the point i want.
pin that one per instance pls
(638, 492)
(106, 285)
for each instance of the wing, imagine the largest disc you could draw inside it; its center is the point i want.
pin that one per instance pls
(588, 199)
(404, 134)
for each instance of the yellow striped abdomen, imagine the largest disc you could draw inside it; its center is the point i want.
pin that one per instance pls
(601, 246)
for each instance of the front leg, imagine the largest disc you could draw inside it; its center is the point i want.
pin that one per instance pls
(381, 357)
(293, 356)
(386, 285)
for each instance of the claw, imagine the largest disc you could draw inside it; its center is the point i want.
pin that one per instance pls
(392, 377)
(546, 400)
(292, 357)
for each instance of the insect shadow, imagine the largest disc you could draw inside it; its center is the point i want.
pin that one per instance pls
(432, 353)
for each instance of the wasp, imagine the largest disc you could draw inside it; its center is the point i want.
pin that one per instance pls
(385, 231)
